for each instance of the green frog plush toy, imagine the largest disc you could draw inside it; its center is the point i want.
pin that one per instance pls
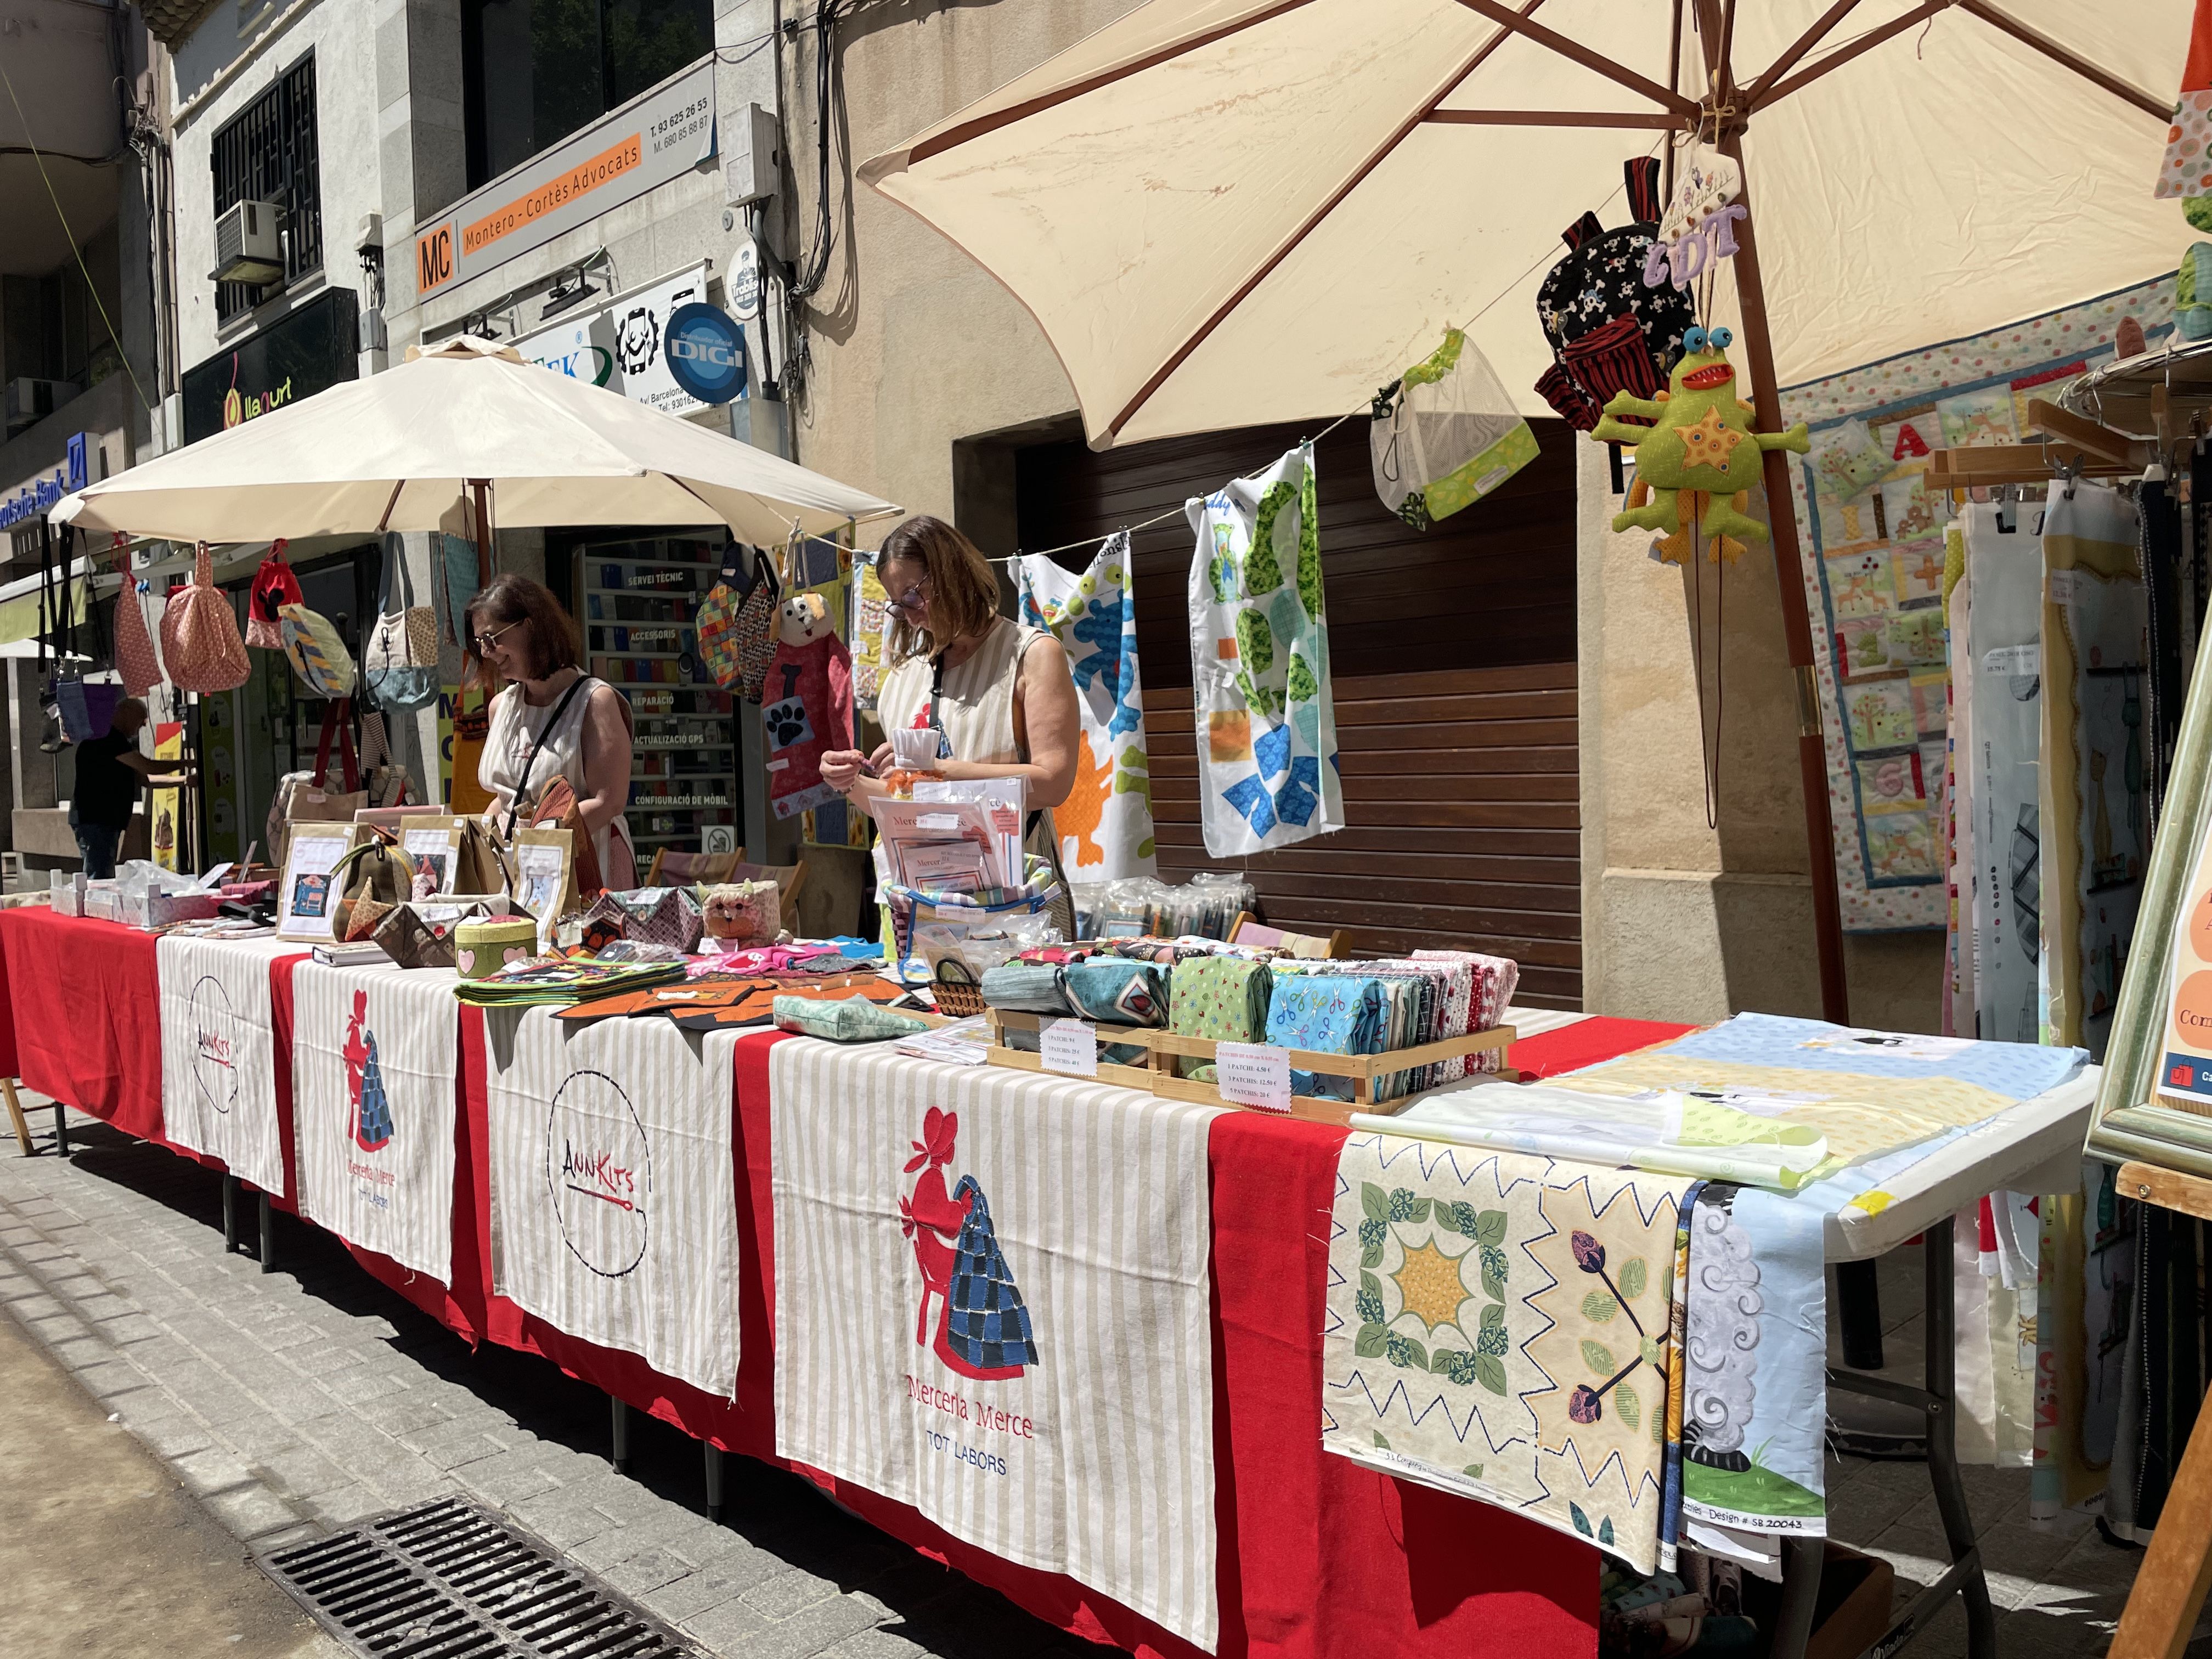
(1695, 467)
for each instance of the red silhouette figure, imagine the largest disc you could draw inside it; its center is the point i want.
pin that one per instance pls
(356, 1052)
(933, 1218)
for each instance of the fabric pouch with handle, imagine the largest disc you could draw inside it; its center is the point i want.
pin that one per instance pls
(88, 710)
(754, 630)
(372, 877)
(134, 661)
(274, 587)
(199, 633)
(420, 934)
(316, 653)
(401, 658)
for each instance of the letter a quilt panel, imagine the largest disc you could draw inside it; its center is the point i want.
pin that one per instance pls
(614, 1210)
(375, 1054)
(218, 1053)
(993, 1304)
(1259, 663)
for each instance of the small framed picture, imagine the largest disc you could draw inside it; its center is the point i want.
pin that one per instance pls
(309, 905)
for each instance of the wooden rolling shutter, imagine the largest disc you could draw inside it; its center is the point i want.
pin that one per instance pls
(1460, 775)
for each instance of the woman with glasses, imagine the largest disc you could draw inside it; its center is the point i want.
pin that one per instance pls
(999, 694)
(552, 719)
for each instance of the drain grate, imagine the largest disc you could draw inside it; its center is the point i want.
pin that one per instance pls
(451, 1581)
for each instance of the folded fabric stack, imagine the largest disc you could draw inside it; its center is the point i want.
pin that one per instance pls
(1026, 987)
(1492, 981)
(1116, 992)
(1222, 998)
(852, 1020)
(1331, 1014)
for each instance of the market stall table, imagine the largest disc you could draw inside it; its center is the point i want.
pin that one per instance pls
(1317, 1555)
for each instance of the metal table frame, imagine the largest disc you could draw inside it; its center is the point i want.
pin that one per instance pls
(1965, 1578)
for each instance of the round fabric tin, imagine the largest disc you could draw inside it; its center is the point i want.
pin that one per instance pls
(483, 947)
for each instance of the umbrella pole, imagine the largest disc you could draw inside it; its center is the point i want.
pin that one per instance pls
(478, 487)
(1796, 618)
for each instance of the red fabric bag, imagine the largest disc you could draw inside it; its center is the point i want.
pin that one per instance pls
(274, 587)
(199, 634)
(134, 661)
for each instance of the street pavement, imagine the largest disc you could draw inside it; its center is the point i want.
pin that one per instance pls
(293, 1404)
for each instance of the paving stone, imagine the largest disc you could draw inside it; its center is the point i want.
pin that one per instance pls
(508, 1477)
(251, 1511)
(787, 1593)
(727, 1627)
(215, 1469)
(687, 1598)
(648, 1570)
(820, 1628)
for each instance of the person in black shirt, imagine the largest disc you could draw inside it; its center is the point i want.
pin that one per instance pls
(110, 773)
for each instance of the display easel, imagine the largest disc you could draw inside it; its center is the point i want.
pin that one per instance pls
(2176, 1568)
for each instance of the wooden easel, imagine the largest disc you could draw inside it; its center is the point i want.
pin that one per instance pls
(2176, 1570)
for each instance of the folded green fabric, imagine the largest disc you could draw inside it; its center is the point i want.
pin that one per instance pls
(855, 1020)
(1223, 998)
(1025, 987)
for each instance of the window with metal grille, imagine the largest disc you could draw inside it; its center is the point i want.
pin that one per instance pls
(269, 154)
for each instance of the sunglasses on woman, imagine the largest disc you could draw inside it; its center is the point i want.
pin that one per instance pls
(485, 642)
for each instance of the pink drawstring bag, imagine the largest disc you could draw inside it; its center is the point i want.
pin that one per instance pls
(199, 633)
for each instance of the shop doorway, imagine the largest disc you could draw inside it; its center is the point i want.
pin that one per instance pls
(1452, 658)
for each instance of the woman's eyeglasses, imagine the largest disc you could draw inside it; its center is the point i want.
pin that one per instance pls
(915, 601)
(485, 642)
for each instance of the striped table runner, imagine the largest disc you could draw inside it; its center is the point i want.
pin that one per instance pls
(613, 1196)
(374, 1051)
(218, 1053)
(991, 1304)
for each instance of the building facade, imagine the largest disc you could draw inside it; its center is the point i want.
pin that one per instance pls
(557, 174)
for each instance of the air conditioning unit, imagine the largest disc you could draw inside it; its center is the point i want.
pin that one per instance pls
(246, 246)
(28, 402)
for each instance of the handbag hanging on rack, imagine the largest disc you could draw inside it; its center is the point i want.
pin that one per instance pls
(400, 660)
(274, 587)
(199, 633)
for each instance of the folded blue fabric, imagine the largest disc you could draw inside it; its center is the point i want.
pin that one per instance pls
(1025, 987)
(1329, 1014)
(1116, 992)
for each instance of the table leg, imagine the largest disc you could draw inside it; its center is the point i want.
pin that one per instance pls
(618, 1426)
(15, 1116)
(61, 1130)
(713, 1479)
(1964, 1578)
(229, 1212)
(1802, 1561)
(1858, 1311)
(268, 1219)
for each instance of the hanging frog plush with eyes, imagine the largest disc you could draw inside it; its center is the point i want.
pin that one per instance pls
(1695, 468)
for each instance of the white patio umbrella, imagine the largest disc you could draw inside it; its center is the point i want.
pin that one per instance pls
(1229, 212)
(404, 450)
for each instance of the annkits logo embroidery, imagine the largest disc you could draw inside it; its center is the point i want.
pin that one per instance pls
(983, 1326)
(214, 1045)
(599, 1173)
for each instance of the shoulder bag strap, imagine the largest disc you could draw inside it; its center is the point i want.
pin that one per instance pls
(522, 784)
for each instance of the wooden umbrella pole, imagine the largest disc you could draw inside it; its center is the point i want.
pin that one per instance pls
(1796, 618)
(478, 488)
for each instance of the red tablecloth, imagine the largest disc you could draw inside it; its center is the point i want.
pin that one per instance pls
(1585, 1042)
(1319, 1558)
(87, 1015)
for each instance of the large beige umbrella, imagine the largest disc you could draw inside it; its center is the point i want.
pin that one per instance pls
(403, 450)
(1229, 212)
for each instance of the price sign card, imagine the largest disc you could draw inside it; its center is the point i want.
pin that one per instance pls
(1069, 1046)
(2185, 1071)
(1253, 1074)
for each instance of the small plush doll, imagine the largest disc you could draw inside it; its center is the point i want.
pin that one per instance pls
(1697, 464)
(806, 705)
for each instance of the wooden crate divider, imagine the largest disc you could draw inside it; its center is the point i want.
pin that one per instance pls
(1162, 1048)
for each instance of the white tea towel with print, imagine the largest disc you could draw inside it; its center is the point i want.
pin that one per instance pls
(1105, 826)
(993, 1304)
(374, 1054)
(1259, 663)
(2005, 634)
(614, 1207)
(218, 1053)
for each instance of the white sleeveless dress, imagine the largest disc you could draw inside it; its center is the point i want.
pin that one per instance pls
(514, 727)
(976, 709)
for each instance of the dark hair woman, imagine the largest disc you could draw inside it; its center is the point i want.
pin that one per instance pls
(1000, 693)
(517, 635)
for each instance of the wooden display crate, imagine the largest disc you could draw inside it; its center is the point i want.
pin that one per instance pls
(1162, 1048)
